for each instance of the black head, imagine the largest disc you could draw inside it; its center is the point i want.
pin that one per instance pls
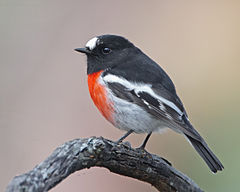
(106, 51)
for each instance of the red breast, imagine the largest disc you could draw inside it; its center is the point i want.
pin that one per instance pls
(99, 97)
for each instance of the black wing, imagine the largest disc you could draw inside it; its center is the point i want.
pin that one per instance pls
(137, 66)
(156, 108)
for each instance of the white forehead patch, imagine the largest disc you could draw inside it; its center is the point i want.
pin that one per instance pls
(92, 43)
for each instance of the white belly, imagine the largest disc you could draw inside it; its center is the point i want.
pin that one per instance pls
(129, 116)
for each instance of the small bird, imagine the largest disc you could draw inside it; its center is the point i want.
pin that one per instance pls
(136, 95)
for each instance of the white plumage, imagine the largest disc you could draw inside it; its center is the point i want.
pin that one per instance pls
(92, 43)
(140, 88)
(130, 116)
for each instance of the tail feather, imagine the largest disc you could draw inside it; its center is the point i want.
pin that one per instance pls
(203, 150)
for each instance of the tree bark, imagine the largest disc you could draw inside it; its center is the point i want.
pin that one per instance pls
(118, 158)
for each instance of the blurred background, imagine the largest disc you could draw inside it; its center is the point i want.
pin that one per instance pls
(44, 99)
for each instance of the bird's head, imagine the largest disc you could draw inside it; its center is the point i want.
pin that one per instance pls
(105, 52)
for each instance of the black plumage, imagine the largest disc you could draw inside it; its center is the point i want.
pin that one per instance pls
(116, 56)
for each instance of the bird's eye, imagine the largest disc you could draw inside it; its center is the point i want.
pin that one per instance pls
(106, 50)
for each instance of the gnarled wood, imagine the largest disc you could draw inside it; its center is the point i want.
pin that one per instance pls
(121, 159)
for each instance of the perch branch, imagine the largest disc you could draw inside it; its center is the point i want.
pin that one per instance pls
(121, 159)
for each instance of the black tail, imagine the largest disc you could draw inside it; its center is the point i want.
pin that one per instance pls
(212, 161)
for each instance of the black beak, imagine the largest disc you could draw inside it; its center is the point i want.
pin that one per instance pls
(83, 50)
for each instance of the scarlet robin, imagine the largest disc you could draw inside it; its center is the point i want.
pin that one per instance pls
(136, 95)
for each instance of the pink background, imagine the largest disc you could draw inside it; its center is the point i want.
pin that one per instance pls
(44, 99)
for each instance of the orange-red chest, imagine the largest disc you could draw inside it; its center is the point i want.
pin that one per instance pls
(99, 97)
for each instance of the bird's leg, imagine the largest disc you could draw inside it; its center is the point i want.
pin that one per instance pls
(124, 136)
(145, 141)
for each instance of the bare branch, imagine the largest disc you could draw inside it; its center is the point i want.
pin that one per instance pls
(121, 159)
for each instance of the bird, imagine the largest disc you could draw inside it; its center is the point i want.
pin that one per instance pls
(136, 95)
